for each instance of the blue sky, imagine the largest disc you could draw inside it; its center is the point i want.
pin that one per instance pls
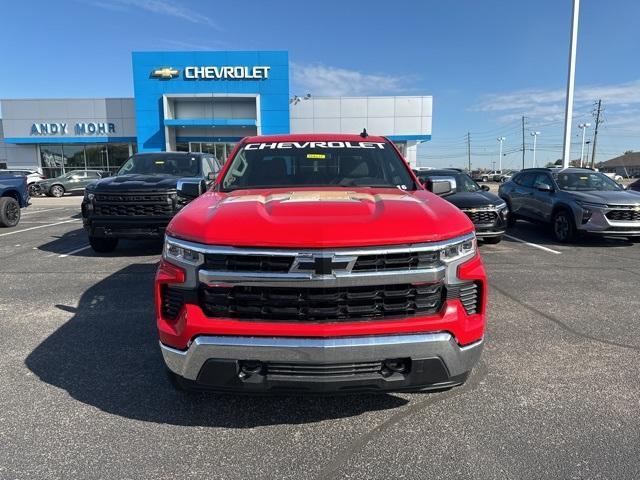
(486, 63)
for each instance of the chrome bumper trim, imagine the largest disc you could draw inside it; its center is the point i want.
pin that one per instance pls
(188, 363)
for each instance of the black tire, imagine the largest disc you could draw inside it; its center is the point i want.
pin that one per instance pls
(9, 212)
(492, 240)
(56, 191)
(485, 179)
(33, 190)
(564, 230)
(511, 219)
(103, 245)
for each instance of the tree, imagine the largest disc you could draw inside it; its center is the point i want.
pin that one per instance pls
(628, 152)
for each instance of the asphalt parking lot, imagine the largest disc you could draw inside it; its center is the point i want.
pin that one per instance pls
(556, 395)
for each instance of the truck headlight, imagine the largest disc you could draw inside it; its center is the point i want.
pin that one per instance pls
(89, 196)
(180, 254)
(456, 251)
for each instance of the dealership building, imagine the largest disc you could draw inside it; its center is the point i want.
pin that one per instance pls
(195, 101)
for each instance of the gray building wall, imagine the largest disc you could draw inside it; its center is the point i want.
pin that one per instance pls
(19, 115)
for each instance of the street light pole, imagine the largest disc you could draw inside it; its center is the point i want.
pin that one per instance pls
(500, 139)
(568, 112)
(583, 126)
(535, 137)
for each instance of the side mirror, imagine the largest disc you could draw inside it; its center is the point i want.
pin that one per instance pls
(486, 188)
(211, 176)
(439, 187)
(191, 188)
(543, 187)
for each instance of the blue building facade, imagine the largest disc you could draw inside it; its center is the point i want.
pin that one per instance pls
(194, 97)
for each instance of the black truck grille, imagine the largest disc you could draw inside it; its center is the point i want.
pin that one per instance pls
(396, 261)
(484, 217)
(323, 370)
(469, 295)
(282, 264)
(248, 263)
(320, 304)
(630, 215)
(133, 205)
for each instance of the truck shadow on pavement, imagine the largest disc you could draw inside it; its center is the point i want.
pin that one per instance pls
(107, 356)
(78, 238)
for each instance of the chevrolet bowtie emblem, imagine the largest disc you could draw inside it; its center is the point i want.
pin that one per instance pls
(166, 72)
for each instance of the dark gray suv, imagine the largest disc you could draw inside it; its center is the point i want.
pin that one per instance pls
(573, 200)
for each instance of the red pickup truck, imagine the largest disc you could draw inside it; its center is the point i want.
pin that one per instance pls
(319, 263)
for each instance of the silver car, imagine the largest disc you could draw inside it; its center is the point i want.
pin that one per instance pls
(573, 200)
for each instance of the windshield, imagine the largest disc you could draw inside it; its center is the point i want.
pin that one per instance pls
(317, 164)
(464, 183)
(584, 181)
(176, 165)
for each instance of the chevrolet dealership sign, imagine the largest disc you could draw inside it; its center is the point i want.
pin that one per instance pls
(260, 72)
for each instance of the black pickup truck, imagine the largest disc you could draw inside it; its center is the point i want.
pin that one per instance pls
(141, 199)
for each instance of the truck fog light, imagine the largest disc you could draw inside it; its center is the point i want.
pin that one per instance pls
(395, 365)
(586, 215)
(250, 367)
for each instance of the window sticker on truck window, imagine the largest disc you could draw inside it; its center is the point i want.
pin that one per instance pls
(320, 156)
(304, 145)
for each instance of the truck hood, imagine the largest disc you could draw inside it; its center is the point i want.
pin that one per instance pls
(318, 218)
(622, 197)
(134, 182)
(474, 199)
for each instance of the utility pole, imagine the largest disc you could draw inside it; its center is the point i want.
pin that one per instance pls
(584, 127)
(500, 139)
(568, 110)
(595, 133)
(523, 142)
(469, 149)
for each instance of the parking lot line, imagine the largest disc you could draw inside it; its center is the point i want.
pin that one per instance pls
(63, 255)
(39, 226)
(43, 210)
(534, 245)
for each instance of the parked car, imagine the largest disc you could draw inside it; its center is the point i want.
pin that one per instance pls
(614, 176)
(573, 201)
(318, 263)
(140, 200)
(492, 176)
(487, 211)
(14, 195)
(69, 182)
(32, 174)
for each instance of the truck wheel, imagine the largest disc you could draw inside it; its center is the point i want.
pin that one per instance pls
(33, 190)
(485, 179)
(9, 212)
(492, 240)
(564, 230)
(57, 191)
(103, 245)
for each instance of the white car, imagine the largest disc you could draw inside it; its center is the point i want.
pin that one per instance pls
(614, 176)
(32, 174)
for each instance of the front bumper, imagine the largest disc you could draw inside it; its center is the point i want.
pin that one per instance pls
(323, 365)
(491, 231)
(599, 224)
(134, 228)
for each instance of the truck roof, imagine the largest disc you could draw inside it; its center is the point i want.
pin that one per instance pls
(316, 137)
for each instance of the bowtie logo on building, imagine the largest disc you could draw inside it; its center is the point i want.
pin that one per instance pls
(165, 73)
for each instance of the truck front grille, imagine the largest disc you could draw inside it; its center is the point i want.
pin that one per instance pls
(627, 215)
(322, 370)
(321, 304)
(482, 217)
(248, 263)
(133, 205)
(396, 261)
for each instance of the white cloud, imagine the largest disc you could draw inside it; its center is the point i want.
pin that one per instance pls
(160, 7)
(326, 80)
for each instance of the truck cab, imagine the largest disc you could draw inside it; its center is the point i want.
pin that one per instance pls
(140, 200)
